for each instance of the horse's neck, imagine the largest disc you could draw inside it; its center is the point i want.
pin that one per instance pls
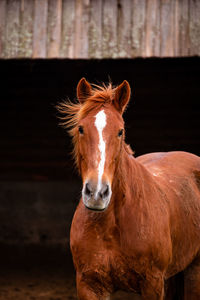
(132, 185)
(132, 180)
(135, 197)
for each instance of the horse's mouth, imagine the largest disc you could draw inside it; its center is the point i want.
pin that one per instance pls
(95, 208)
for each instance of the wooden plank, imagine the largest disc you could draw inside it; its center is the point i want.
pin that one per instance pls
(138, 27)
(152, 28)
(68, 29)
(81, 28)
(176, 27)
(167, 32)
(2, 26)
(124, 28)
(54, 27)
(109, 38)
(12, 28)
(40, 28)
(26, 29)
(183, 28)
(194, 27)
(95, 29)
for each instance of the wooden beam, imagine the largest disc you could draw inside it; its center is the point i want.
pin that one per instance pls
(26, 29)
(138, 27)
(183, 28)
(109, 38)
(167, 32)
(152, 28)
(95, 29)
(124, 28)
(194, 27)
(40, 28)
(81, 28)
(54, 27)
(68, 29)
(12, 28)
(2, 27)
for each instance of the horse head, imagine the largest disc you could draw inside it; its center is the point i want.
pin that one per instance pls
(98, 134)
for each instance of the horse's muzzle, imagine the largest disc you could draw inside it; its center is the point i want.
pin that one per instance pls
(96, 198)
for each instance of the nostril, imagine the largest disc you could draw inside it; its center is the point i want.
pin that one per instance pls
(104, 191)
(88, 190)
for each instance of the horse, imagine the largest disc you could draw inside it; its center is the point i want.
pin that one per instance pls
(138, 221)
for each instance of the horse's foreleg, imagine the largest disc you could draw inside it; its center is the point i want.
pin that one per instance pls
(192, 281)
(92, 291)
(152, 288)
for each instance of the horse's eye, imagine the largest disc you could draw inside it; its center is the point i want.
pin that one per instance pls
(120, 132)
(80, 129)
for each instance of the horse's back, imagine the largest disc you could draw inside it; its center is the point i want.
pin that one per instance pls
(161, 163)
(175, 171)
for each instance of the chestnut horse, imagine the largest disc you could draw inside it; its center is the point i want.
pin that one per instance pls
(138, 221)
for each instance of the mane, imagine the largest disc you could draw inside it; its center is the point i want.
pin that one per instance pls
(72, 113)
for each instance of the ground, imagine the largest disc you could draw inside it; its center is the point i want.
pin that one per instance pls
(40, 275)
(35, 284)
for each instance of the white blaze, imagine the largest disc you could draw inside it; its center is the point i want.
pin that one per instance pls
(100, 123)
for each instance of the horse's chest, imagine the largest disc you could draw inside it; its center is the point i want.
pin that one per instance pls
(123, 274)
(112, 268)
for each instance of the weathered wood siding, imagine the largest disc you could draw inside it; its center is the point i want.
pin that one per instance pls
(99, 28)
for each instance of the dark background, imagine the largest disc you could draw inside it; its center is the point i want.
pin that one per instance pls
(163, 113)
(39, 187)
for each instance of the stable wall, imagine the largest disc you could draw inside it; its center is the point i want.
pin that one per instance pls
(99, 28)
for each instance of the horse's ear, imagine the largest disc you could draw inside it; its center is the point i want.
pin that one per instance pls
(122, 96)
(84, 90)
